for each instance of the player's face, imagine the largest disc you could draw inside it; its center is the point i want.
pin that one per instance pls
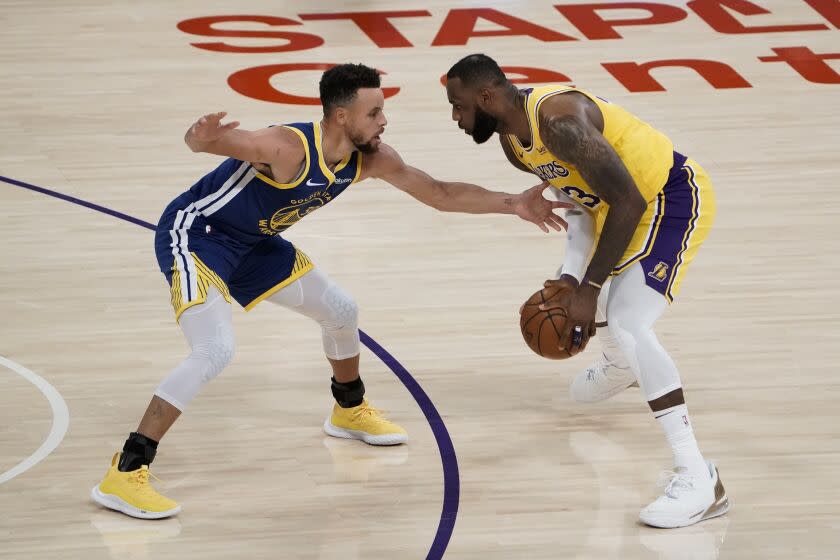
(366, 120)
(471, 118)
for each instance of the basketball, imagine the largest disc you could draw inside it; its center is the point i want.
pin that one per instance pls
(541, 329)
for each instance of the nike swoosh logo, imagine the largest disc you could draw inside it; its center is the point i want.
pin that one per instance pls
(309, 183)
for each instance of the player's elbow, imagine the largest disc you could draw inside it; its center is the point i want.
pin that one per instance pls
(439, 198)
(637, 203)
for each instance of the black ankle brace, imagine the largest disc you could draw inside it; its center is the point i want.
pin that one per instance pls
(137, 451)
(348, 395)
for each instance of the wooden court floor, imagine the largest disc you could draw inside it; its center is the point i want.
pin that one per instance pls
(502, 464)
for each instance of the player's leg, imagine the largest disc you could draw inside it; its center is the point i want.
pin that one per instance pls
(316, 296)
(637, 298)
(209, 331)
(694, 492)
(194, 264)
(610, 373)
(276, 271)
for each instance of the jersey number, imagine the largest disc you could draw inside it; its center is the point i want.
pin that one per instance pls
(586, 199)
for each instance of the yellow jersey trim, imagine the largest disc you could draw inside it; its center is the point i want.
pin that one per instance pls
(301, 267)
(651, 239)
(343, 163)
(205, 278)
(358, 168)
(303, 174)
(692, 226)
(320, 149)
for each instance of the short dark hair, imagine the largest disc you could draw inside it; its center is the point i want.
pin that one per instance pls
(477, 69)
(340, 83)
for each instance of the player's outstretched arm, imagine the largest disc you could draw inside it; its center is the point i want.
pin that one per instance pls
(267, 145)
(386, 164)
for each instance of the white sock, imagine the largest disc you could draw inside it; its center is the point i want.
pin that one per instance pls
(677, 427)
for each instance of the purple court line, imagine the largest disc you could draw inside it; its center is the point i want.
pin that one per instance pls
(451, 477)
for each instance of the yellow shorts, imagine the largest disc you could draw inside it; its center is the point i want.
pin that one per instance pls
(672, 228)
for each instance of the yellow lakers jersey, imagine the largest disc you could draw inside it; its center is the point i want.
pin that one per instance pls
(647, 153)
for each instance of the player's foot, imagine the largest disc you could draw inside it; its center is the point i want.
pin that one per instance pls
(131, 493)
(600, 381)
(365, 423)
(687, 500)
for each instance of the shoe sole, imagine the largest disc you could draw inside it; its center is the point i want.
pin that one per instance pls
(116, 503)
(715, 510)
(386, 439)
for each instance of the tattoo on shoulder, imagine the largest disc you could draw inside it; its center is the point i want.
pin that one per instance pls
(570, 138)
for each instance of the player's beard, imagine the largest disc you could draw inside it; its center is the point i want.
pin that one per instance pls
(484, 127)
(364, 147)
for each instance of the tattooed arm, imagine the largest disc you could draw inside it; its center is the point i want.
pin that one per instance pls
(571, 126)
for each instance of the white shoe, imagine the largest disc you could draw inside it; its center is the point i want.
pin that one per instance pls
(687, 500)
(600, 381)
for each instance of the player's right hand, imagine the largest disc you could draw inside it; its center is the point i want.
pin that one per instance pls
(210, 128)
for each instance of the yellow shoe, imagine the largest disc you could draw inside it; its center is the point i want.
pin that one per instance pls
(131, 493)
(365, 423)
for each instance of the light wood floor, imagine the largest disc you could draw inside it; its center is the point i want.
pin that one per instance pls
(96, 96)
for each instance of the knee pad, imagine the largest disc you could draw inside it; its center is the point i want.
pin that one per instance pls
(217, 352)
(343, 312)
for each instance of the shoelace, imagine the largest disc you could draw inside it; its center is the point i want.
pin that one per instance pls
(601, 364)
(368, 411)
(141, 478)
(674, 482)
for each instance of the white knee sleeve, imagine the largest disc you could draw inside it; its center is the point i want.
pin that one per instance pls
(319, 298)
(209, 331)
(632, 310)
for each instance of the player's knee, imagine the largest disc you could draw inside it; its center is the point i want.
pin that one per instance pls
(343, 311)
(627, 330)
(217, 353)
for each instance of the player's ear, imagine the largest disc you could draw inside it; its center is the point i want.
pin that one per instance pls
(486, 98)
(340, 115)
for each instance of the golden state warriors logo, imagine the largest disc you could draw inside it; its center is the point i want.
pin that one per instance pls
(286, 217)
(659, 272)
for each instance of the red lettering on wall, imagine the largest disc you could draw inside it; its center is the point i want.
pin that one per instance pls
(375, 25)
(636, 77)
(204, 26)
(716, 14)
(829, 9)
(587, 19)
(256, 83)
(809, 64)
(459, 26)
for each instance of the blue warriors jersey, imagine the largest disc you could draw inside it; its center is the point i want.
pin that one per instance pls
(246, 205)
(225, 230)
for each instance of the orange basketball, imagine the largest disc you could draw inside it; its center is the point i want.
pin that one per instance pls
(541, 329)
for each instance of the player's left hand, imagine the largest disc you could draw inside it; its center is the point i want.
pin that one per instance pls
(533, 207)
(580, 318)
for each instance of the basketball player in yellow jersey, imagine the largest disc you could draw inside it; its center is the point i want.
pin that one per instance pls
(221, 240)
(642, 212)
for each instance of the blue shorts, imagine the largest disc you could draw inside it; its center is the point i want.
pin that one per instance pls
(193, 255)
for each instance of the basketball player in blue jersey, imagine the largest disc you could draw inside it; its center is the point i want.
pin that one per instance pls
(641, 212)
(220, 240)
